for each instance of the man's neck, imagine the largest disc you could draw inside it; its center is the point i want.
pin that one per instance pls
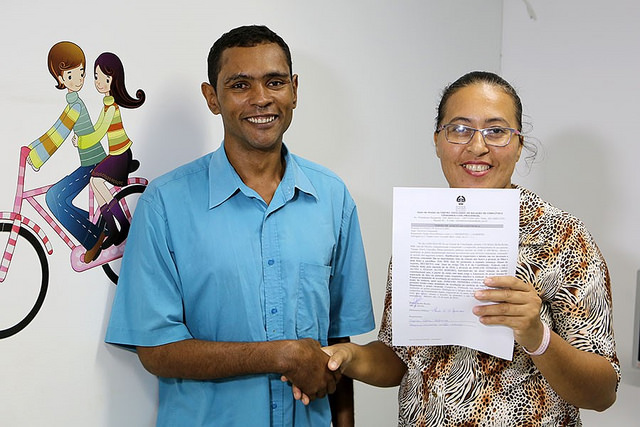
(261, 171)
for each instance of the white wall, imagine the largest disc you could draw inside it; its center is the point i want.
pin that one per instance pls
(576, 67)
(370, 75)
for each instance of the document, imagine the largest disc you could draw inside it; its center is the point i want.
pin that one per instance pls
(446, 241)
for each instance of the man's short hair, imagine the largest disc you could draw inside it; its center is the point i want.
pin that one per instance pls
(245, 36)
(64, 56)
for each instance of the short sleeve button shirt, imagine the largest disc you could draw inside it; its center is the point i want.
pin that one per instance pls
(207, 258)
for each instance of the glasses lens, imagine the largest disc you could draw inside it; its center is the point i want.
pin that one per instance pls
(458, 134)
(497, 136)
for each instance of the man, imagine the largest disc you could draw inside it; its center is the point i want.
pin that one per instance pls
(242, 264)
(66, 62)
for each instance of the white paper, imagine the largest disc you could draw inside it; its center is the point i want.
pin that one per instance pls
(446, 241)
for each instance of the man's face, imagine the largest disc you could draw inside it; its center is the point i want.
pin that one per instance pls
(256, 96)
(73, 79)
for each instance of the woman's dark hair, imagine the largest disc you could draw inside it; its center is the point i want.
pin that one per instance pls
(111, 65)
(476, 77)
(247, 36)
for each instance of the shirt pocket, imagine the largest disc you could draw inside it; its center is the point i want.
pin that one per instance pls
(312, 312)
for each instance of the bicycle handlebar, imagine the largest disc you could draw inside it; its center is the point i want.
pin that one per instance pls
(24, 158)
(24, 153)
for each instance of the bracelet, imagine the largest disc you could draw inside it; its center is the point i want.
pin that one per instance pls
(546, 337)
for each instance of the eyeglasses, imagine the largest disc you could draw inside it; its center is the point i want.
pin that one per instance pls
(494, 136)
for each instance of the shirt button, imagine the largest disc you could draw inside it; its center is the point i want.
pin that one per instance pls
(270, 262)
(274, 405)
(274, 310)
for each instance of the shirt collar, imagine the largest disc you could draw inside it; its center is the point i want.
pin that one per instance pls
(72, 97)
(224, 181)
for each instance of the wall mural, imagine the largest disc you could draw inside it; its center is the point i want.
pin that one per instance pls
(95, 235)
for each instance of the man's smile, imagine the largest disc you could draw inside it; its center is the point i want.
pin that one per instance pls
(261, 119)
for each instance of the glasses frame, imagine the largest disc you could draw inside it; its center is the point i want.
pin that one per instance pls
(482, 132)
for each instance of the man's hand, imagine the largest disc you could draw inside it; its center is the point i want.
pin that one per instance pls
(74, 140)
(31, 164)
(306, 368)
(338, 354)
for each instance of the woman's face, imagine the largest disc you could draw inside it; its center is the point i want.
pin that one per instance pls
(103, 82)
(477, 165)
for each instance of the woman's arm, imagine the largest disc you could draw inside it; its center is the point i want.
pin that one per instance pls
(100, 129)
(586, 380)
(374, 363)
(583, 379)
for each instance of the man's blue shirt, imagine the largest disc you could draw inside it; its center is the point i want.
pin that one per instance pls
(207, 258)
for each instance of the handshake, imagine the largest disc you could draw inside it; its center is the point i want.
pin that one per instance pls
(312, 370)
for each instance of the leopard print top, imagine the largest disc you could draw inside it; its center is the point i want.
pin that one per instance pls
(453, 385)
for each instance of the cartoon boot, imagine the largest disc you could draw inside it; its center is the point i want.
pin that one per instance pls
(112, 212)
(93, 252)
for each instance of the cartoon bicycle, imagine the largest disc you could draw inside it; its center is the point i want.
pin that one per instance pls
(25, 244)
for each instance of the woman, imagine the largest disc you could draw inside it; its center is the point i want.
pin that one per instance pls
(558, 305)
(115, 168)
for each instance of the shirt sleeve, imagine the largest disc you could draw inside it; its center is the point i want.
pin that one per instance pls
(351, 312)
(100, 129)
(147, 308)
(582, 306)
(43, 148)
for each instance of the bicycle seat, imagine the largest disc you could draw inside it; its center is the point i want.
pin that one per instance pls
(133, 165)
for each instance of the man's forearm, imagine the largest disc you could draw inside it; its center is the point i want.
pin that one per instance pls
(301, 361)
(207, 360)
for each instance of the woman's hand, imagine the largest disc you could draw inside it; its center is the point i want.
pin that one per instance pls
(516, 304)
(584, 379)
(339, 356)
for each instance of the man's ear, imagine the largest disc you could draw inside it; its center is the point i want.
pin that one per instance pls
(294, 83)
(210, 95)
